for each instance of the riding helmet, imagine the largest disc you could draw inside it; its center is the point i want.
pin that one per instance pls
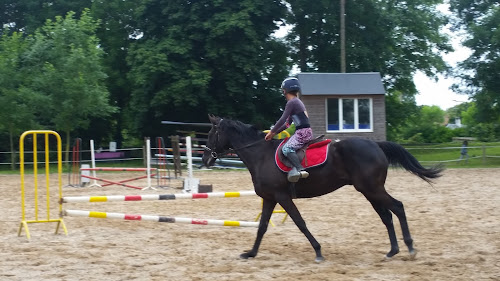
(290, 84)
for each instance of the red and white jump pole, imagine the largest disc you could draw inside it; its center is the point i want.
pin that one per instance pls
(154, 197)
(104, 215)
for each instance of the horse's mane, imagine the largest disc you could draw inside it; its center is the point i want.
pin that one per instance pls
(244, 130)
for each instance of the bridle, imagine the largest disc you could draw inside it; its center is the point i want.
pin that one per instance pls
(213, 151)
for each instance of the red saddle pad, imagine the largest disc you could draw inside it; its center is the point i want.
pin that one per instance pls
(315, 155)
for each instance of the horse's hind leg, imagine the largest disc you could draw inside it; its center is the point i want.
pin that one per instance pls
(286, 202)
(267, 211)
(386, 217)
(384, 204)
(398, 209)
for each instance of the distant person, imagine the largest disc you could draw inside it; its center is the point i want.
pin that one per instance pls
(463, 152)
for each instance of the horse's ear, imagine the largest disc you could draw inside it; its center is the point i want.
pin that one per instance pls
(213, 119)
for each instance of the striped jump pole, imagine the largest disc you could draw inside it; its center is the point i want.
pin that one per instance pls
(104, 215)
(154, 197)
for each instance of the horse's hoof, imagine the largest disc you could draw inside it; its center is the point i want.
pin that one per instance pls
(391, 254)
(413, 254)
(246, 255)
(319, 259)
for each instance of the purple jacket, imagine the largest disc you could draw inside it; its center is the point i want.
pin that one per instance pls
(294, 111)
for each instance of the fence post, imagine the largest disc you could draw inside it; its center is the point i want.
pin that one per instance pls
(484, 154)
(177, 155)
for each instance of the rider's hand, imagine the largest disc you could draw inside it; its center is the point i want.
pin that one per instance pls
(269, 136)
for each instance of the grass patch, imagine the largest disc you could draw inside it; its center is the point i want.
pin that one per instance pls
(481, 155)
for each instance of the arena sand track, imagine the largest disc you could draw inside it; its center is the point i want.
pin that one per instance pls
(455, 226)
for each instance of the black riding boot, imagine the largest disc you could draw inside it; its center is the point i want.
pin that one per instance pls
(297, 171)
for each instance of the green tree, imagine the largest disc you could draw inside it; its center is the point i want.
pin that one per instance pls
(431, 115)
(395, 38)
(468, 116)
(65, 62)
(481, 20)
(199, 57)
(17, 111)
(29, 15)
(115, 35)
(427, 126)
(483, 131)
(459, 109)
(400, 111)
(180, 59)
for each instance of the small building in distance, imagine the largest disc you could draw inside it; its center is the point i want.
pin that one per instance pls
(343, 105)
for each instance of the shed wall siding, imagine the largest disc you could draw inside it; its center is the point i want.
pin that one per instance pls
(317, 116)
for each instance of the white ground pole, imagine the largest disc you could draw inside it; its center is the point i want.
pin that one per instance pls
(148, 164)
(92, 158)
(190, 183)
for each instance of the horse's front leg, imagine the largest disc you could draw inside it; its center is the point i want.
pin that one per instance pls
(267, 211)
(285, 200)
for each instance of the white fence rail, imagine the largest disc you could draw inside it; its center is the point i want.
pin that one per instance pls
(474, 152)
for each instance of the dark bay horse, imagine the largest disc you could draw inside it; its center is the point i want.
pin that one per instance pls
(359, 162)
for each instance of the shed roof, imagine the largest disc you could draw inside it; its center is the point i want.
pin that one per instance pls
(364, 83)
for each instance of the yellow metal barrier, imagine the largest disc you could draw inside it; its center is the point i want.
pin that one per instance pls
(281, 211)
(24, 221)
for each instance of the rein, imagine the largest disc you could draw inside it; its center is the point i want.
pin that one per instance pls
(216, 155)
(250, 144)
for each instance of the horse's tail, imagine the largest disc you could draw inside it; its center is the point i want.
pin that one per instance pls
(400, 157)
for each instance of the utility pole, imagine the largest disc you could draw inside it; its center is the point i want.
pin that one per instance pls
(342, 37)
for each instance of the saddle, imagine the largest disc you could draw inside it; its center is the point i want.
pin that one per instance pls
(313, 154)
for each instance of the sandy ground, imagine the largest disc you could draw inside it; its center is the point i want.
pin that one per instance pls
(455, 226)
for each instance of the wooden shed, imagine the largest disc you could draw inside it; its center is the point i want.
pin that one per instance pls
(342, 105)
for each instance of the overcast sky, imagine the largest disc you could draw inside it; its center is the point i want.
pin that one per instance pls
(439, 93)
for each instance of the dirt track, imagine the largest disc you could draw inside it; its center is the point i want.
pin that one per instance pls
(455, 226)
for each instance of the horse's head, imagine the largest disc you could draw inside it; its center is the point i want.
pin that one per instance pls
(218, 142)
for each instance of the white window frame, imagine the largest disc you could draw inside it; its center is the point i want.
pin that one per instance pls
(356, 116)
